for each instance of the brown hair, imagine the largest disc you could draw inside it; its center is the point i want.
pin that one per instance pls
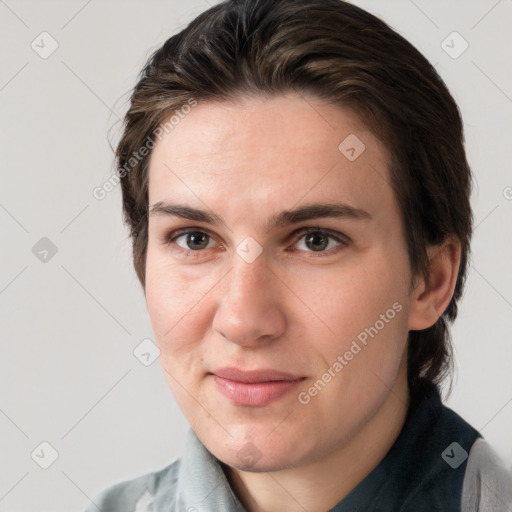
(344, 55)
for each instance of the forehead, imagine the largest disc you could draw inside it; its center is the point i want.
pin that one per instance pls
(270, 153)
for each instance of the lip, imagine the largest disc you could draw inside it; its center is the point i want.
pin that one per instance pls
(254, 388)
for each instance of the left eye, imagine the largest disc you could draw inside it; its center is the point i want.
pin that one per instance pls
(318, 241)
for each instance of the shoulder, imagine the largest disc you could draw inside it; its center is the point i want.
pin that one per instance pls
(136, 494)
(487, 482)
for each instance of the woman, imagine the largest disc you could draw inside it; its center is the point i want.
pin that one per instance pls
(297, 191)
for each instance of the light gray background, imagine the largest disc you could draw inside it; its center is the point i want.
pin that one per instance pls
(70, 324)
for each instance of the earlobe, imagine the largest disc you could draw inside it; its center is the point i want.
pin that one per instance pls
(432, 296)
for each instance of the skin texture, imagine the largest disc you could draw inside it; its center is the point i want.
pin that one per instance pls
(293, 309)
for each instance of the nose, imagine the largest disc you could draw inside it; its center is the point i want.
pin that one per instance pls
(250, 309)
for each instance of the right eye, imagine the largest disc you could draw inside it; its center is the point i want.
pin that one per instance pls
(189, 242)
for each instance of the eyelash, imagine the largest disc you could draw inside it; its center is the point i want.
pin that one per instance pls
(343, 240)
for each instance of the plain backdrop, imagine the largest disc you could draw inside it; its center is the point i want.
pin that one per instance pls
(72, 311)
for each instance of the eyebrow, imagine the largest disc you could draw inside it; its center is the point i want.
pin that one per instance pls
(285, 218)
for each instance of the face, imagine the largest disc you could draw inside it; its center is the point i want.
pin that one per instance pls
(282, 325)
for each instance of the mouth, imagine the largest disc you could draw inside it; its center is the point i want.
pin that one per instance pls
(254, 388)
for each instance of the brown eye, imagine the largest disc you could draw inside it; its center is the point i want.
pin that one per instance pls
(194, 240)
(317, 241)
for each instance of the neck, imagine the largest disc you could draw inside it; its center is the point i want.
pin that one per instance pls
(320, 486)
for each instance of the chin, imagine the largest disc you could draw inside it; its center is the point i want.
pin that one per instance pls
(254, 460)
(254, 448)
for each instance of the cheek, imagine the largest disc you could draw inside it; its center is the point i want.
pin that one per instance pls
(351, 297)
(365, 304)
(367, 309)
(176, 306)
(179, 319)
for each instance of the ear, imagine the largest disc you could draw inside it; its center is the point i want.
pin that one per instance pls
(431, 297)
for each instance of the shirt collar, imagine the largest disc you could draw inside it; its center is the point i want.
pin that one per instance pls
(202, 484)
